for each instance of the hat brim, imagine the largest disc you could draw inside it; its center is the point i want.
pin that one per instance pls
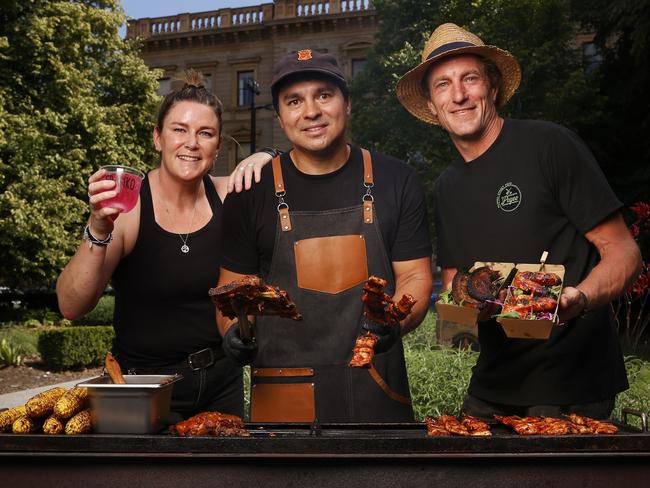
(412, 97)
(319, 71)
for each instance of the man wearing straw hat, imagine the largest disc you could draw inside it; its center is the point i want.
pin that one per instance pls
(518, 188)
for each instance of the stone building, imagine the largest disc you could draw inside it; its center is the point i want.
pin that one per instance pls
(234, 46)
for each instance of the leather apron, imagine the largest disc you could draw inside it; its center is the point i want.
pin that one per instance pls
(301, 372)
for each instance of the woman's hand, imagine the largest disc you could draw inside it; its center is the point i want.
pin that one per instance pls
(241, 178)
(101, 219)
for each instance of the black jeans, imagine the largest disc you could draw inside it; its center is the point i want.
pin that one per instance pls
(484, 409)
(215, 388)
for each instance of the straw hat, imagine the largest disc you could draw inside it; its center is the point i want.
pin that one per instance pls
(447, 40)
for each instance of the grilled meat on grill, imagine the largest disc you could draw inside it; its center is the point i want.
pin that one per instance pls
(575, 424)
(210, 424)
(450, 425)
(596, 426)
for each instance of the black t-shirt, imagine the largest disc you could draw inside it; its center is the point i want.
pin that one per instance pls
(250, 217)
(537, 188)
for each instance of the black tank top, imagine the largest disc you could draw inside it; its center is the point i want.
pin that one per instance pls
(162, 308)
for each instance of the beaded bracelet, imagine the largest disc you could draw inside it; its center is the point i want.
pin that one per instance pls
(87, 236)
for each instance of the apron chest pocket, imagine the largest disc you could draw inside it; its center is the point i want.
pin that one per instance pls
(331, 264)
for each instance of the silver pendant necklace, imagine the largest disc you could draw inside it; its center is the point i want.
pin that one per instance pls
(184, 248)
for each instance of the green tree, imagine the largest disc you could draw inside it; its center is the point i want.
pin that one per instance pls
(73, 96)
(620, 137)
(540, 33)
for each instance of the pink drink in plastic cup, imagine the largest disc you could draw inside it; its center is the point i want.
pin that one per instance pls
(127, 185)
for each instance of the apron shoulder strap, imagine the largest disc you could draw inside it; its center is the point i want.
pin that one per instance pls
(368, 182)
(283, 207)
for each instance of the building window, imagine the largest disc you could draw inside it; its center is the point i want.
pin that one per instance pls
(357, 65)
(243, 92)
(592, 59)
(164, 86)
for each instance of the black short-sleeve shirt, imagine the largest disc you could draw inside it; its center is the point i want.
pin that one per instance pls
(250, 217)
(536, 189)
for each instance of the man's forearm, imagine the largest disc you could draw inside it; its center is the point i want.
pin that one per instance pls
(613, 275)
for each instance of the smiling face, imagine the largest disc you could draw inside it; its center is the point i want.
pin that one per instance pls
(314, 115)
(188, 140)
(461, 96)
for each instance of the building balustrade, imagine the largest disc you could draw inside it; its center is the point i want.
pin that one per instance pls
(244, 16)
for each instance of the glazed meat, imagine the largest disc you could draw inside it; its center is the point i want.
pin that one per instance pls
(251, 296)
(210, 424)
(450, 425)
(378, 307)
(574, 424)
(364, 351)
(536, 282)
(459, 291)
(596, 426)
(482, 283)
(475, 426)
(525, 304)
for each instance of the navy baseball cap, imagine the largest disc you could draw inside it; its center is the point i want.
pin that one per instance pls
(307, 61)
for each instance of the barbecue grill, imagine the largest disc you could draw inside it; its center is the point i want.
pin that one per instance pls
(333, 455)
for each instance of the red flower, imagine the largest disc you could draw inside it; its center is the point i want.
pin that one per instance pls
(641, 284)
(641, 211)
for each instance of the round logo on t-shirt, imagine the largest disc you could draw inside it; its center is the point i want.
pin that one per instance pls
(508, 197)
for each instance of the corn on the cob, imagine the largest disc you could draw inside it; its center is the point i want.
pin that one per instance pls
(72, 401)
(80, 423)
(43, 403)
(53, 425)
(25, 425)
(8, 417)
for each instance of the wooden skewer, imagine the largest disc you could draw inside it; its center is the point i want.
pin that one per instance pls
(542, 260)
(113, 369)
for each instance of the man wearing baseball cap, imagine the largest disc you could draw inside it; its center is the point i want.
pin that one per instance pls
(326, 216)
(517, 189)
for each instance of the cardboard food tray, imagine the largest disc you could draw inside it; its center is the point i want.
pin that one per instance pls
(532, 329)
(466, 315)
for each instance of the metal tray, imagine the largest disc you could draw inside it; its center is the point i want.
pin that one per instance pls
(141, 406)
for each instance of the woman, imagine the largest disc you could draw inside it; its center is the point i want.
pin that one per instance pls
(163, 256)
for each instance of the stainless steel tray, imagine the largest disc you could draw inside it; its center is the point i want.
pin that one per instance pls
(141, 406)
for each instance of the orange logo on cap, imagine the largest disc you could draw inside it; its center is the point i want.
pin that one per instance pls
(304, 54)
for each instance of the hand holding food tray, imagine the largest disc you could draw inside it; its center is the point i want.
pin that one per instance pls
(251, 296)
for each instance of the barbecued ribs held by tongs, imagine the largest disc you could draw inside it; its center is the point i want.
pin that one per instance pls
(251, 296)
(380, 308)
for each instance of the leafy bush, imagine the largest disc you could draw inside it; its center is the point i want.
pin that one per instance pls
(102, 314)
(43, 316)
(438, 376)
(75, 347)
(638, 396)
(24, 338)
(10, 354)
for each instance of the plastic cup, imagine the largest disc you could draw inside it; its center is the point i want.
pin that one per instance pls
(127, 185)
